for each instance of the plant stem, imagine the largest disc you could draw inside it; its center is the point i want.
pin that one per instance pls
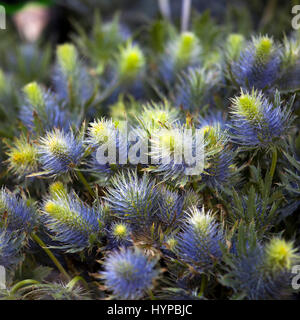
(21, 284)
(38, 240)
(274, 162)
(151, 295)
(73, 282)
(85, 183)
(203, 285)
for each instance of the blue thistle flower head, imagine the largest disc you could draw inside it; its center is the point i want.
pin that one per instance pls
(154, 117)
(10, 247)
(72, 222)
(42, 110)
(163, 153)
(220, 170)
(100, 130)
(129, 274)
(22, 157)
(109, 135)
(16, 213)
(262, 272)
(167, 148)
(256, 122)
(210, 144)
(244, 276)
(258, 65)
(119, 235)
(60, 152)
(199, 242)
(182, 52)
(132, 198)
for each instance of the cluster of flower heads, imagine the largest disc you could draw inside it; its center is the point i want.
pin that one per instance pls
(146, 225)
(18, 220)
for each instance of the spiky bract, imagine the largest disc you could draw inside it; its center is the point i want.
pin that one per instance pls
(256, 122)
(199, 242)
(132, 198)
(75, 224)
(129, 274)
(60, 152)
(16, 213)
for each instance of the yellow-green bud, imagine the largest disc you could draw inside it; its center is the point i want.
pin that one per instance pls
(263, 46)
(187, 48)
(34, 94)
(120, 231)
(67, 57)
(172, 243)
(57, 189)
(234, 45)
(131, 61)
(280, 254)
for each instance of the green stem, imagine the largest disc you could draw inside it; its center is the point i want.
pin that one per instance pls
(203, 285)
(37, 239)
(73, 282)
(194, 184)
(151, 295)
(85, 183)
(21, 284)
(71, 94)
(274, 162)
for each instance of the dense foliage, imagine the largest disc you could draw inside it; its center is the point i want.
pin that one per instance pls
(74, 228)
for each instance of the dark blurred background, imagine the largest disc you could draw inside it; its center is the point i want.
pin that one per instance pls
(264, 16)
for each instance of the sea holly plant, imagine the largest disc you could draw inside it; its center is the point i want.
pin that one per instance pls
(257, 122)
(153, 162)
(266, 270)
(263, 64)
(180, 53)
(73, 223)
